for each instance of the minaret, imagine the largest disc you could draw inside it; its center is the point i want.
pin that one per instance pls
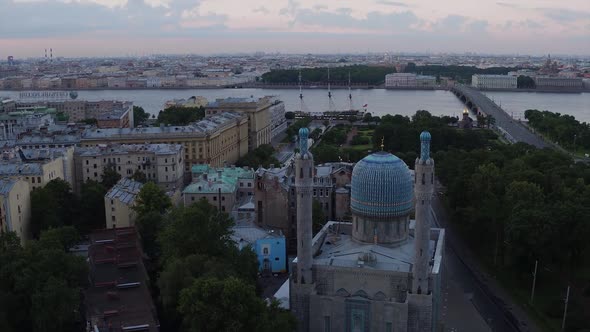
(301, 280)
(303, 184)
(423, 191)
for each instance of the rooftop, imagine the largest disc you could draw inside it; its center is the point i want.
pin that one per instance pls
(211, 180)
(8, 169)
(337, 248)
(125, 191)
(6, 185)
(199, 129)
(118, 298)
(101, 149)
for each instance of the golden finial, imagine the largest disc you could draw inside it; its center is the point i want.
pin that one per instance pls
(382, 142)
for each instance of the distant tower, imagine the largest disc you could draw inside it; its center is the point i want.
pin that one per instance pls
(51, 54)
(423, 191)
(303, 278)
(45, 54)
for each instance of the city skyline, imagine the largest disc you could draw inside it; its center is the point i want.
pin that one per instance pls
(142, 27)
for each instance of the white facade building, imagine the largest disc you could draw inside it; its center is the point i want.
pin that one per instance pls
(493, 81)
(409, 80)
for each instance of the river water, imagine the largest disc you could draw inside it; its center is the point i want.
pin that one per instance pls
(379, 101)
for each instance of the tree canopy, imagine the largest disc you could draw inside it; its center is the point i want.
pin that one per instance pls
(180, 116)
(40, 285)
(140, 116)
(262, 155)
(561, 128)
(359, 74)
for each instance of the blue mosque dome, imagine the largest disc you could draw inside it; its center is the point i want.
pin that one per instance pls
(381, 187)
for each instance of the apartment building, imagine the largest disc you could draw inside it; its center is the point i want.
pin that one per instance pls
(160, 163)
(259, 112)
(215, 140)
(223, 187)
(15, 207)
(36, 174)
(119, 202)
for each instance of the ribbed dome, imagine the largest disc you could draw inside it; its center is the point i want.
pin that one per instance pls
(381, 186)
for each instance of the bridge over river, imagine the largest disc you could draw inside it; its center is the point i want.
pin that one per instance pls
(512, 129)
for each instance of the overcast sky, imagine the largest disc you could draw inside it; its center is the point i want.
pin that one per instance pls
(143, 27)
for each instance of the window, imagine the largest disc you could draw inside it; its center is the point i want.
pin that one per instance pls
(423, 179)
(193, 198)
(113, 218)
(241, 184)
(86, 162)
(265, 251)
(223, 198)
(249, 184)
(327, 324)
(33, 179)
(39, 179)
(223, 208)
(388, 327)
(214, 198)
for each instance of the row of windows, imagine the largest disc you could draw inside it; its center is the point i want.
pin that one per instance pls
(328, 325)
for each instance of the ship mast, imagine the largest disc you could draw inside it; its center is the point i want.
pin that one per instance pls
(349, 93)
(300, 93)
(331, 105)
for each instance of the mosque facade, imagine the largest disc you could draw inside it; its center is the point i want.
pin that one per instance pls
(382, 272)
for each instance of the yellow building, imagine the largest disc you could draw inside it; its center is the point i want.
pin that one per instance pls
(160, 163)
(15, 207)
(37, 174)
(259, 113)
(218, 139)
(118, 203)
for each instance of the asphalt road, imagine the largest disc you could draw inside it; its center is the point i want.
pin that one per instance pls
(516, 131)
(463, 283)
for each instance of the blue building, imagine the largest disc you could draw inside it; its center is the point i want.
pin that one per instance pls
(269, 246)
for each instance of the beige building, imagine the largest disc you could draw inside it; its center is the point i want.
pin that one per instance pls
(118, 204)
(15, 207)
(160, 163)
(218, 139)
(259, 116)
(493, 81)
(37, 174)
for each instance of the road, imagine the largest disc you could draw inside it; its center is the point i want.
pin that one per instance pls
(470, 298)
(515, 130)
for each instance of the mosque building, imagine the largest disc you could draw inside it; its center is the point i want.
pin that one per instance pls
(382, 272)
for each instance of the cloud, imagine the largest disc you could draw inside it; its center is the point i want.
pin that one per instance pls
(391, 3)
(342, 18)
(564, 15)
(506, 4)
(261, 9)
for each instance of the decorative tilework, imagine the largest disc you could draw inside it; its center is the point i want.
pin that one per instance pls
(381, 186)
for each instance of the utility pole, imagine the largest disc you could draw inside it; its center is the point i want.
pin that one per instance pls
(534, 281)
(567, 298)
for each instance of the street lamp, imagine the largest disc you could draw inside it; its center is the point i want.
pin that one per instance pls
(534, 281)
(566, 300)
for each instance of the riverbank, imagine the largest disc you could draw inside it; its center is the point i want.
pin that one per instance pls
(295, 87)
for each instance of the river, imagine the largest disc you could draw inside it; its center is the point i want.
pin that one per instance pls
(379, 101)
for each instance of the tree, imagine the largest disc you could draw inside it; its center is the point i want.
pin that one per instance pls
(262, 155)
(149, 224)
(151, 198)
(55, 307)
(53, 206)
(209, 304)
(92, 208)
(92, 121)
(180, 116)
(40, 285)
(289, 115)
(198, 228)
(139, 176)
(140, 116)
(367, 117)
(109, 177)
(525, 82)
